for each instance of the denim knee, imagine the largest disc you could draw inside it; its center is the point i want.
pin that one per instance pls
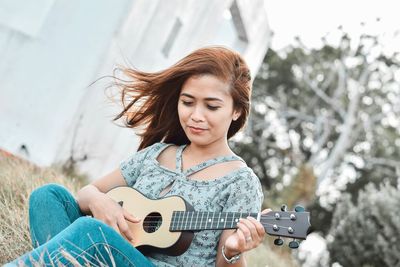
(96, 229)
(45, 191)
(87, 224)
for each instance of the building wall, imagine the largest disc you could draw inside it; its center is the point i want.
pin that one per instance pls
(44, 69)
(49, 113)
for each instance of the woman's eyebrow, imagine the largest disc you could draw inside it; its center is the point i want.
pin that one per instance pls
(207, 98)
(187, 95)
(213, 99)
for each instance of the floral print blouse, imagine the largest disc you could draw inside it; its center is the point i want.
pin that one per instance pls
(238, 191)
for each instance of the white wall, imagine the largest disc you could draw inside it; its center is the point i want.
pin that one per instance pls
(43, 76)
(45, 69)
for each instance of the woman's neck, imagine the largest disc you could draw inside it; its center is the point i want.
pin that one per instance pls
(209, 151)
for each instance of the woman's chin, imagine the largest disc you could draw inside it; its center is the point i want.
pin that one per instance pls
(198, 140)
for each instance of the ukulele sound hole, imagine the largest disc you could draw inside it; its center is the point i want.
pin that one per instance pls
(152, 222)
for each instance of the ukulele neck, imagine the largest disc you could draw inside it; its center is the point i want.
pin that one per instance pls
(204, 220)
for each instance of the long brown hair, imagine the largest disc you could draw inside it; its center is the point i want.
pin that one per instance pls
(150, 100)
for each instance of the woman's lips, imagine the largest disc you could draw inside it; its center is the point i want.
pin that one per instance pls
(196, 130)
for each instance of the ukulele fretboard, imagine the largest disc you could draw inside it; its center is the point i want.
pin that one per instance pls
(204, 220)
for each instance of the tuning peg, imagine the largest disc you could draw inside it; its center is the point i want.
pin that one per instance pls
(293, 244)
(299, 209)
(283, 207)
(278, 242)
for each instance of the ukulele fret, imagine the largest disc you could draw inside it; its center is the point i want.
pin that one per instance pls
(197, 219)
(235, 220)
(181, 214)
(201, 220)
(226, 219)
(191, 221)
(218, 221)
(187, 215)
(172, 223)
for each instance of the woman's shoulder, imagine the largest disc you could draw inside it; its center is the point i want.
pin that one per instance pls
(155, 148)
(246, 176)
(159, 150)
(166, 155)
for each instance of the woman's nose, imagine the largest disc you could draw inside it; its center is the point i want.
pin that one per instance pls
(197, 114)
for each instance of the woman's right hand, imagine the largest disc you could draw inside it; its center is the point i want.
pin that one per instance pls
(104, 208)
(92, 200)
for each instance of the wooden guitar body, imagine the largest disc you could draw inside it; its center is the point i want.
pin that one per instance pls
(148, 232)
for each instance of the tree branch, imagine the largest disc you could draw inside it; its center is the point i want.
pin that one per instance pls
(321, 94)
(345, 136)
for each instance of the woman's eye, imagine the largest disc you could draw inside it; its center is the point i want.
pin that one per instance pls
(187, 103)
(212, 107)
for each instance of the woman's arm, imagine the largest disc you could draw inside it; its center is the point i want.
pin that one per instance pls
(220, 261)
(93, 201)
(88, 193)
(249, 235)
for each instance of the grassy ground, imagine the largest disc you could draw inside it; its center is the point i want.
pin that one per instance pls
(18, 178)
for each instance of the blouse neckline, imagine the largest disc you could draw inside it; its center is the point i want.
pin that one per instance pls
(183, 174)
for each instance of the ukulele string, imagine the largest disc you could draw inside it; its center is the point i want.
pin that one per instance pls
(186, 217)
(185, 224)
(146, 227)
(158, 219)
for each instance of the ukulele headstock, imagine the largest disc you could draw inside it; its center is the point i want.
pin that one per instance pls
(292, 224)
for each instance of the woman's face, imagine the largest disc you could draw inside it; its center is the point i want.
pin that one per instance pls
(205, 109)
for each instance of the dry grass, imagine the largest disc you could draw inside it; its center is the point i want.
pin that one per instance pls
(18, 178)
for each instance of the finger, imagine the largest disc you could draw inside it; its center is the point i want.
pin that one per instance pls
(266, 211)
(241, 236)
(253, 239)
(245, 230)
(259, 227)
(251, 226)
(115, 227)
(130, 217)
(124, 228)
(246, 240)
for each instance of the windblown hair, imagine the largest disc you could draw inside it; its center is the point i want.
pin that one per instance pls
(150, 100)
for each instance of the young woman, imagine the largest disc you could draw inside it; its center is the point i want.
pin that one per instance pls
(187, 113)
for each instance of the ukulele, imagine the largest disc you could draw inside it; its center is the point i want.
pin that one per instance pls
(168, 224)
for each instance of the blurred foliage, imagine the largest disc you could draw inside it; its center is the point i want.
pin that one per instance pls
(367, 228)
(324, 122)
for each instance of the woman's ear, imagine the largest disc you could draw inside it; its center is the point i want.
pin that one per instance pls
(236, 115)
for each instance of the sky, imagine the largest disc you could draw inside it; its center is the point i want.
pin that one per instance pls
(313, 19)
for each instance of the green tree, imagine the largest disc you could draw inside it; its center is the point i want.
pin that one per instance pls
(365, 233)
(324, 121)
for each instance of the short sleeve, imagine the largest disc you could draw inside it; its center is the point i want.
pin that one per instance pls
(131, 167)
(245, 194)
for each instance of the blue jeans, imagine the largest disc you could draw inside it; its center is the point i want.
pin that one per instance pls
(62, 234)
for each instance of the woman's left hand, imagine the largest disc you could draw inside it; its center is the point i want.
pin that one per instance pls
(249, 235)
